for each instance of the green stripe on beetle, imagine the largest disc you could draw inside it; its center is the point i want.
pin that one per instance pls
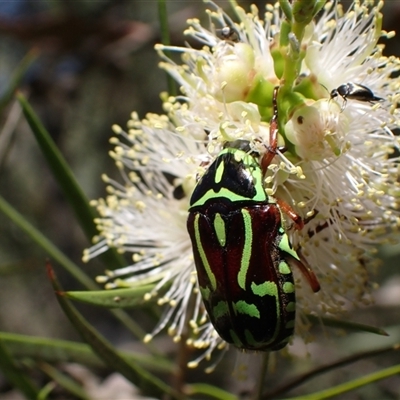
(203, 255)
(247, 249)
(220, 230)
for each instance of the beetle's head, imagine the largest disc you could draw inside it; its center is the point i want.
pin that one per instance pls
(239, 144)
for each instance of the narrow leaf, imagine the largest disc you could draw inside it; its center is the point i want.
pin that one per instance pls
(46, 390)
(347, 325)
(64, 381)
(210, 391)
(322, 369)
(15, 376)
(131, 370)
(61, 170)
(61, 351)
(165, 40)
(17, 77)
(65, 178)
(352, 385)
(114, 298)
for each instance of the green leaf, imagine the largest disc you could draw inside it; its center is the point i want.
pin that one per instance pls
(61, 351)
(165, 40)
(17, 77)
(131, 370)
(114, 298)
(347, 325)
(15, 376)
(46, 390)
(65, 178)
(209, 390)
(352, 385)
(322, 369)
(64, 381)
(50, 350)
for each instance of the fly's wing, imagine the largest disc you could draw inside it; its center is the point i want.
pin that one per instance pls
(362, 93)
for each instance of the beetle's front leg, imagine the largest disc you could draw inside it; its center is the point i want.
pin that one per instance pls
(305, 269)
(298, 221)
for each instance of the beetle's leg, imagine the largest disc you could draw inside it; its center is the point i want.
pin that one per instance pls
(298, 221)
(273, 134)
(305, 269)
(301, 264)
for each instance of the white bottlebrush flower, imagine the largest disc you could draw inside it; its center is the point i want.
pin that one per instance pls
(146, 216)
(339, 171)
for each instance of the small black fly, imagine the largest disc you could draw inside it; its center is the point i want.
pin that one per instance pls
(354, 91)
(229, 34)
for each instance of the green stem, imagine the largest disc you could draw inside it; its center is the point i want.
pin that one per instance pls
(165, 39)
(293, 57)
(261, 377)
(298, 29)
